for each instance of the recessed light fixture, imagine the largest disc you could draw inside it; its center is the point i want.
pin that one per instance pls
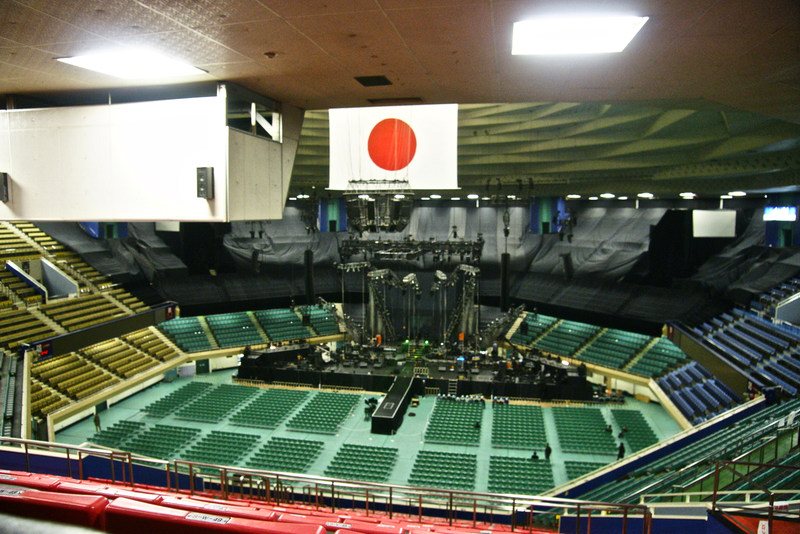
(292, 198)
(575, 35)
(399, 196)
(737, 193)
(573, 196)
(726, 197)
(435, 196)
(486, 198)
(607, 195)
(425, 198)
(688, 194)
(645, 195)
(592, 198)
(622, 198)
(132, 64)
(511, 197)
(473, 196)
(455, 198)
(363, 196)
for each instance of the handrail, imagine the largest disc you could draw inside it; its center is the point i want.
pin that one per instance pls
(328, 491)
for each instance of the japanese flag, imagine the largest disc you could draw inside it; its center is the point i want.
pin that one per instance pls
(373, 148)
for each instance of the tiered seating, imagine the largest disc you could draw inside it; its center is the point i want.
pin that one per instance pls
(128, 300)
(696, 394)
(282, 324)
(117, 435)
(187, 333)
(152, 345)
(19, 288)
(567, 337)
(40, 238)
(72, 375)
(454, 422)
(519, 475)
(583, 429)
(118, 357)
(324, 413)
(82, 312)
(162, 441)
(285, 454)
(613, 348)
(444, 470)
(518, 427)
(639, 435)
(270, 408)
(234, 330)
(322, 321)
(661, 475)
(221, 448)
(536, 324)
(657, 359)
(218, 404)
(362, 462)
(576, 469)
(85, 271)
(168, 404)
(21, 326)
(45, 400)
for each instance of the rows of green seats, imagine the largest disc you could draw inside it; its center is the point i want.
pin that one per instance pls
(613, 348)
(523, 476)
(454, 422)
(567, 337)
(776, 478)
(322, 321)
(281, 324)
(661, 475)
(658, 359)
(444, 470)
(217, 404)
(234, 330)
(221, 448)
(270, 408)
(117, 434)
(639, 434)
(536, 323)
(286, 455)
(583, 429)
(518, 427)
(187, 333)
(324, 413)
(169, 403)
(362, 462)
(161, 441)
(576, 469)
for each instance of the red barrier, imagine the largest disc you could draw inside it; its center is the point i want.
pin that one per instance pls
(81, 510)
(125, 516)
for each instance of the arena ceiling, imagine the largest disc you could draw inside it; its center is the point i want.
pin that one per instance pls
(705, 99)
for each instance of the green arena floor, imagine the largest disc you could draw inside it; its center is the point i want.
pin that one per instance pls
(356, 430)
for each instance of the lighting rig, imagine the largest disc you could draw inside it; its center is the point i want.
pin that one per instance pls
(411, 249)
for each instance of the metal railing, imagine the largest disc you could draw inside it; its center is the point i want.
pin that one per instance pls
(521, 512)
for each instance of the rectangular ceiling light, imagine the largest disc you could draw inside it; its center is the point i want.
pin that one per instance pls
(574, 35)
(133, 65)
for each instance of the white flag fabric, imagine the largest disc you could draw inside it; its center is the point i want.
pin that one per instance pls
(382, 148)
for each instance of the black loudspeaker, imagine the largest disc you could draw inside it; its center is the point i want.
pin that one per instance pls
(205, 182)
(523, 328)
(566, 261)
(505, 295)
(309, 264)
(3, 187)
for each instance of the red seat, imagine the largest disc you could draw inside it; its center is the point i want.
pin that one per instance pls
(81, 510)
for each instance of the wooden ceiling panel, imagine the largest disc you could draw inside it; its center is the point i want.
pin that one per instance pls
(254, 39)
(202, 13)
(318, 8)
(26, 26)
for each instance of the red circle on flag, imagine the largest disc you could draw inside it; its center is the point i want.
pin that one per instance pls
(392, 144)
